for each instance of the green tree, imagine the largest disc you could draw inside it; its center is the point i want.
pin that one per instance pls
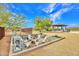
(43, 24)
(38, 25)
(47, 24)
(4, 15)
(16, 22)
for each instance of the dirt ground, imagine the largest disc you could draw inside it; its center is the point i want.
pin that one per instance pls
(66, 47)
(5, 44)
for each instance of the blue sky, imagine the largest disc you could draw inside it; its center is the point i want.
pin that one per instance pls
(60, 13)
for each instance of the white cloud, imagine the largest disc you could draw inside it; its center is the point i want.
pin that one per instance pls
(54, 16)
(57, 15)
(50, 8)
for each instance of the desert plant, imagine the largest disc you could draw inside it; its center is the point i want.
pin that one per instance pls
(43, 24)
(15, 22)
(47, 24)
(4, 15)
(38, 23)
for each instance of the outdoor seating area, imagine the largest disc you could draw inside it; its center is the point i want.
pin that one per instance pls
(60, 27)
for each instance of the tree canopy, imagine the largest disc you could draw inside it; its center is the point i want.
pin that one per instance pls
(15, 22)
(43, 24)
(9, 19)
(4, 14)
